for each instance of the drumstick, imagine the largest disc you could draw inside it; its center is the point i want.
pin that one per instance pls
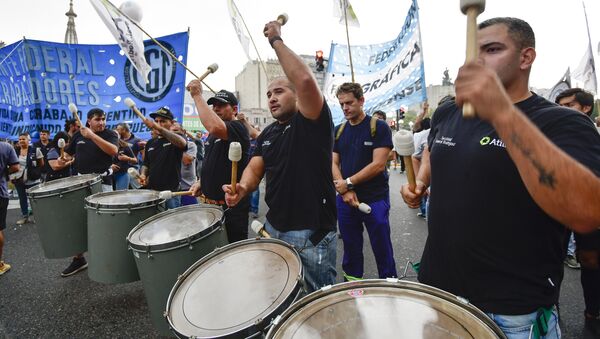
(282, 18)
(472, 8)
(259, 229)
(134, 173)
(235, 155)
(170, 194)
(73, 109)
(405, 146)
(61, 146)
(366, 209)
(131, 104)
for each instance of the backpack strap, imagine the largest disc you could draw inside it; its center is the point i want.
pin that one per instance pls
(373, 127)
(340, 130)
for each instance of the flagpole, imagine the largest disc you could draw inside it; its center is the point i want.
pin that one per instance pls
(11, 52)
(345, 8)
(251, 40)
(161, 46)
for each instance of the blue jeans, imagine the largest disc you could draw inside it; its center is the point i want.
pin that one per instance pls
(21, 191)
(520, 326)
(318, 262)
(254, 200)
(121, 180)
(174, 202)
(188, 200)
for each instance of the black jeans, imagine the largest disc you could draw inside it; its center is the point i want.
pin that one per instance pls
(236, 221)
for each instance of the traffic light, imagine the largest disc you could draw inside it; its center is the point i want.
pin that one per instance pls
(319, 61)
(400, 113)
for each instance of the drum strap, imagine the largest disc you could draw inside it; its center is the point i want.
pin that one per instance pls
(540, 327)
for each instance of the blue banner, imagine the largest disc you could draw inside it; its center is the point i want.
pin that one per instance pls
(39, 79)
(392, 73)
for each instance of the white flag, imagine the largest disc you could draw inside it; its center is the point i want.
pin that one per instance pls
(128, 36)
(338, 12)
(562, 85)
(236, 20)
(586, 71)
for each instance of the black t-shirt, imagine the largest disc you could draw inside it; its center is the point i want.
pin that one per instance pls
(163, 160)
(216, 166)
(297, 157)
(123, 165)
(355, 147)
(488, 240)
(44, 148)
(53, 154)
(89, 158)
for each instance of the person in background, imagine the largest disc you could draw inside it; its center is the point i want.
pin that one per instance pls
(31, 161)
(9, 163)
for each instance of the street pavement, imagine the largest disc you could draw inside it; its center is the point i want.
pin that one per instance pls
(35, 301)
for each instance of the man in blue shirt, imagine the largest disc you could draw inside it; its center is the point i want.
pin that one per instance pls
(8, 163)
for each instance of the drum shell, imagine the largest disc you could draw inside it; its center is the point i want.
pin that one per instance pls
(61, 219)
(334, 323)
(159, 269)
(110, 260)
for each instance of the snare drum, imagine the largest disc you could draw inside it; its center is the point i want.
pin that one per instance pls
(60, 216)
(235, 291)
(383, 309)
(167, 244)
(110, 218)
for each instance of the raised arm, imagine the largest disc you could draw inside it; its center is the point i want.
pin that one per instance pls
(211, 121)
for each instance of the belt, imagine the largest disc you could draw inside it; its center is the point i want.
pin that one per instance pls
(205, 200)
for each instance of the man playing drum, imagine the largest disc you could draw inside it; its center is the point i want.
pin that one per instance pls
(93, 148)
(295, 154)
(506, 184)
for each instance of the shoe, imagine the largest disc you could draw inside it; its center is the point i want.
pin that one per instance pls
(4, 267)
(77, 265)
(422, 215)
(592, 324)
(572, 262)
(22, 221)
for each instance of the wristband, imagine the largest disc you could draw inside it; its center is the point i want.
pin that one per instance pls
(273, 39)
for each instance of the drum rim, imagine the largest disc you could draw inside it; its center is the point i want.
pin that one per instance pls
(114, 207)
(254, 328)
(92, 180)
(175, 243)
(390, 282)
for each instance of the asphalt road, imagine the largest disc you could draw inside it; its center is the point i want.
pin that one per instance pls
(35, 301)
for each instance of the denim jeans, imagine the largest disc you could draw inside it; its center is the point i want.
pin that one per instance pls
(23, 203)
(174, 202)
(121, 180)
(520, 326)
(318, 262)
(188, 200)
(254, 200)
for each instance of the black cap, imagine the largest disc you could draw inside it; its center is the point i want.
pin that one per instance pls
(224, 97)
(163, 112)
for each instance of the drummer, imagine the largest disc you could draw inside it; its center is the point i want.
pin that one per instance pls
(93, 147)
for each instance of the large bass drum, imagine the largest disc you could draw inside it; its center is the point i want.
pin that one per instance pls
(236, 291)
(383, 309)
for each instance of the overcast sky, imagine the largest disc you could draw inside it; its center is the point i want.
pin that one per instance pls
(559, 26)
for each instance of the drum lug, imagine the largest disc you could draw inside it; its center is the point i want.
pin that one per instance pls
(60, 195)
(276, 320)
(148, 253)
(258, 321)
(189, 241)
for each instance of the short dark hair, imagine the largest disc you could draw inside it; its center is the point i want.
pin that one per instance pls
(381, 113)
(45, 131)
(124, 126)
(519, 30)
(24, 134)
(584, 98)
(95, 112)
(69, 123)
(60, 135)
(350, 87)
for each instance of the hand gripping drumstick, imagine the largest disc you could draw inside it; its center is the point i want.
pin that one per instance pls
(61, 146)
(235, 155)
(131, 104)
(472, 8)
(73, 109)
(259, 229)
(169, 194)
(405, 146)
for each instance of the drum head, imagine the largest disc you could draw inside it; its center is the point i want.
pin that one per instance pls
(64, 184)
(235, 288)
(175, 228)
(383, 309)
(123, 199)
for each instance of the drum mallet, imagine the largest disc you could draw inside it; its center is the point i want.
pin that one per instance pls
(131, 104)
(235, 155)
(210, 69)
(73, 109)
(472, 8)
(366, 209)
(169, 194)
(61, 146)
(405, 147)
(282, 18)
(259, 229)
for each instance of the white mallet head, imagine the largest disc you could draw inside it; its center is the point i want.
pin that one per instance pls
(466, 4)
(133, 172)
(133, 10)
(61, 143)
(165, 195)
(283, 18)
(404, 143)
(235, 151)
(213, 68)
(129, 102)
(72, 108)
(364, 208)
(256, 226)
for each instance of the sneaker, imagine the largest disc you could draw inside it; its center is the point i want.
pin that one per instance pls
(77, 265)
(22, 221)
(4, 267)
(571, 261)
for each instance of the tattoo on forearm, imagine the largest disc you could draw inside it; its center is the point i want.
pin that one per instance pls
(546, 177)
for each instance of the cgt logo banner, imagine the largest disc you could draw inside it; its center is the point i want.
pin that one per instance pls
(391, 73)
(39, 79)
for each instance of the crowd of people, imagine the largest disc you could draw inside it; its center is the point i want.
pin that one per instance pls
(510, 184)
